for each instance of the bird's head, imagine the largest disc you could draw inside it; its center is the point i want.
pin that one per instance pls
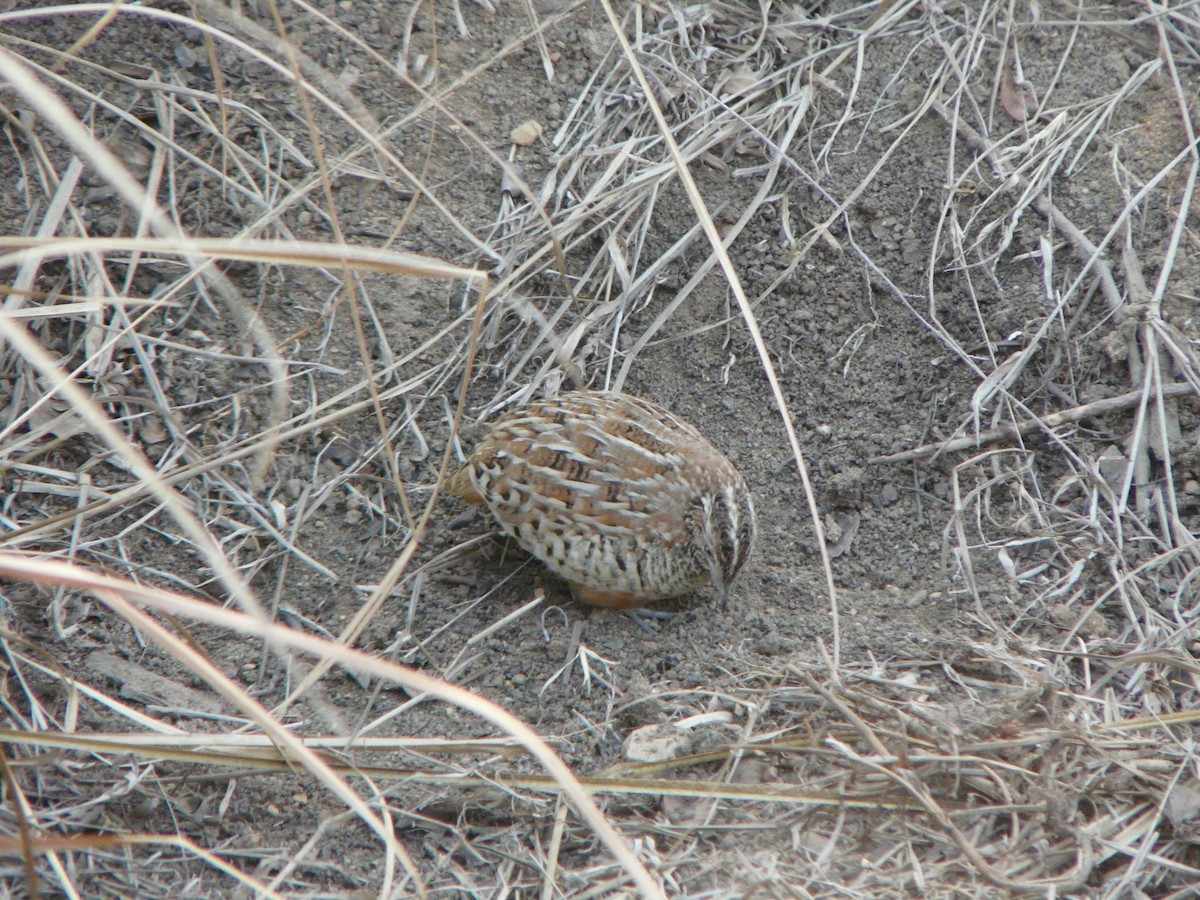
(725, 527)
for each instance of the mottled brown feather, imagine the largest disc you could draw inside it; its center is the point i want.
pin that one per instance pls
(615, 494)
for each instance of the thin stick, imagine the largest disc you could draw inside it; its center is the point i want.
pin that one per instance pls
(994, 435)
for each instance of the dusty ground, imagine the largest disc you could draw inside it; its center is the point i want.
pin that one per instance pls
(893, 267)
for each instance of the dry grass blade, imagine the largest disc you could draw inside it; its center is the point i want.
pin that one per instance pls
(101, 844)
(120, 595)
(261, 754)
(290, 253)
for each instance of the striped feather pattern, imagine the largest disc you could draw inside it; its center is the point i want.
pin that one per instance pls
(616, 495)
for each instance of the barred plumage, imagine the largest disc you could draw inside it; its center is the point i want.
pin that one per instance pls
(617, 496)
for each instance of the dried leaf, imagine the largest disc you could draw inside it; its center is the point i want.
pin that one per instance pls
(152, 432)
(841, 533)
(1183, 803)
(740, 81)
(1113, 465)
(149, 688)
(1016, 95)
(657, 743)
(98, 349)
(185, 56)
(526, 133)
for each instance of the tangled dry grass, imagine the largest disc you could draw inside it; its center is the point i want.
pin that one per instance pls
(150, 402)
